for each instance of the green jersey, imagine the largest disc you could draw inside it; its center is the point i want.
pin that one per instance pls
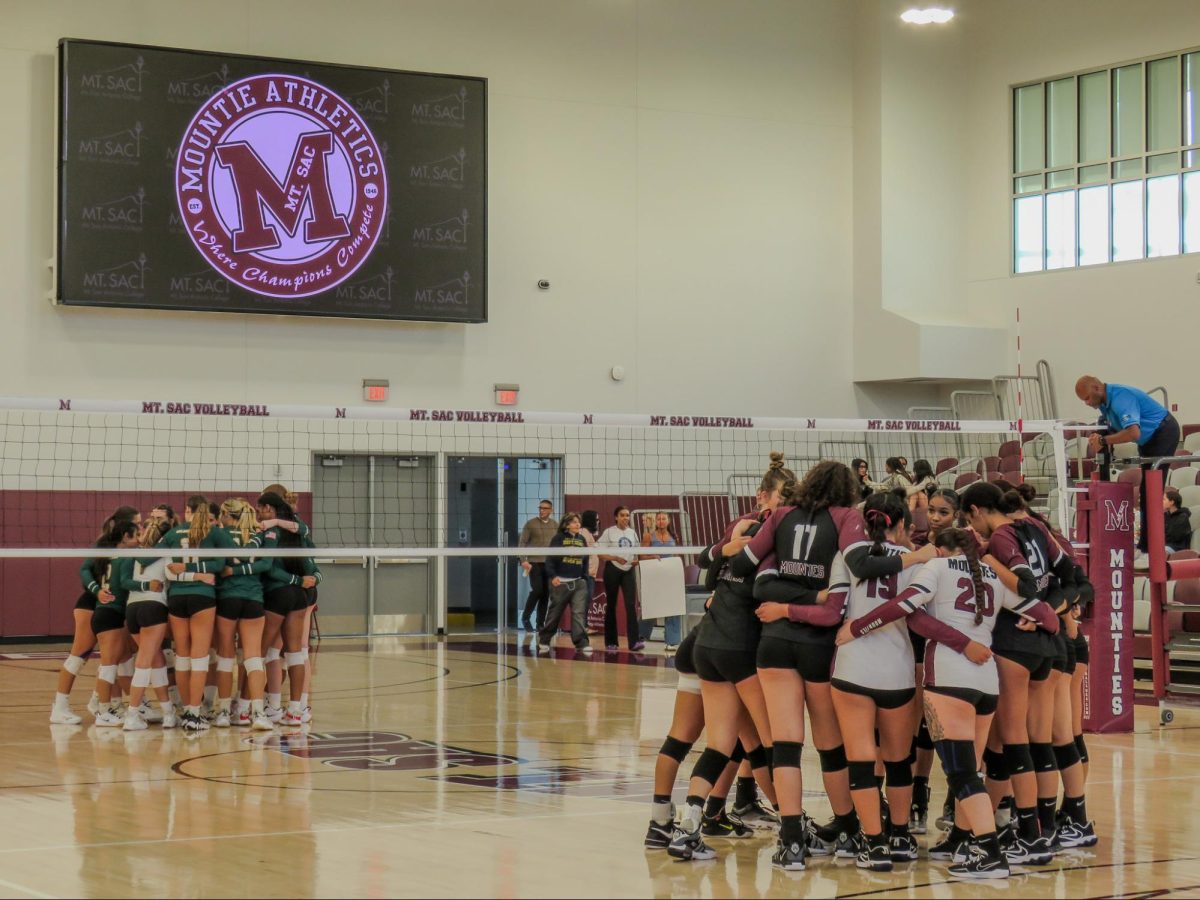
(119, 582)
(178, 538)
(246, 578)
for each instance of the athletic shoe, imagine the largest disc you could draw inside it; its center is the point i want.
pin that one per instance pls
(262, 723)
(306, 716)
(274, 713)
(1073, 835)
(134, 722)
(723, 825)
(1030, 853)
(291, 719)
(903, 847)
(1007, 836)
(149, 713)
(194, 724)
(638, 645)
(107, 718)
(221, 720)
(170, 720)
(848, 846)
(658, 837)
(756, 815)
(957, 852)
(789, 856)
(946, 820)
(816, 844)
(686, 845)
(543, 648)
(241, 719)
(980, 865)
(668, 648)
(586, 649)
(875, 857)
(63, 716)
(918, 821)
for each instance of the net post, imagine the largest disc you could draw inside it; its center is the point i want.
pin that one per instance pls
(1108, 698)
(1156, 545)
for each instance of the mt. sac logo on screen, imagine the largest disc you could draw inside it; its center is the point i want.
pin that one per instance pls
(281, 185)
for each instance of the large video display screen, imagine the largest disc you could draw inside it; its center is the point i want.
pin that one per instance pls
(217, 182)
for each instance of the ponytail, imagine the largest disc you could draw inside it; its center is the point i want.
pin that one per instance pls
(963, 541)
(780, 477)
(201, 523)
(882, 512)
(247, 520)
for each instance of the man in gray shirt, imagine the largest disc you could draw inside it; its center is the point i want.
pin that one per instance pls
(537, 533)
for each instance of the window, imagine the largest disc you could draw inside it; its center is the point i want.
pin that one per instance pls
(1106, 164)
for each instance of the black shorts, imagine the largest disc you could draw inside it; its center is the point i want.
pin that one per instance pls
(1081, 650)
(1039, 666)
(236, 608)
(685, 663)
(87, 600)
(1059, 661)
(732, 666)
(918, 645)
(144, 614)
(883, 699)
(184, 606)
(105, 618)
(813, 662)
(985, 704)
(310, 595)
(287, 599)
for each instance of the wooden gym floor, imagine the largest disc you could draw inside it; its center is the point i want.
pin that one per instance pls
(473, 767)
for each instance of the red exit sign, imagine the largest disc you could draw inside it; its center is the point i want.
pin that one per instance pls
(375, 390)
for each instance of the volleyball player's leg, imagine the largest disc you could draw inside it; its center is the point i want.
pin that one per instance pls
(922, 753)
(687, 722)
(998, 783)
(1077, 680)
(895, 744)
(293, 660)
(1012, 714)
(81, 644)
(308, 665)
(112, 644)
(254, 679)
(272, 657)
(1076, 830)
(1041, 744)
(783, 691)
(757, 764)
(856, 714)
(226, 660)
(721, 706)
(827, 738)
(181, 637)
(125, 668)
(958, 736)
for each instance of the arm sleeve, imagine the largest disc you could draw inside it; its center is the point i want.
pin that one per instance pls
(523, 540)
(912, 598)
(823, 615)
(927, 626)
(746, 561)
(1035, 610)
(120, 580)
(216, 538)
(712, 554)
(87, 578)
(856, 547)
(259, 566)
(1004, 547)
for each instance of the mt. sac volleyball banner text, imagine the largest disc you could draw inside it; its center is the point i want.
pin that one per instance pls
(227, 183)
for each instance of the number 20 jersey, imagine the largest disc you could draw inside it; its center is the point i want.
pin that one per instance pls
(944, 588)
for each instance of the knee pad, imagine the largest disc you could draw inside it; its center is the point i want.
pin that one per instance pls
(759, 757)
(293, 659)
(1066, 755)
(158, 677)
(899, 773)
(958, 759)
(254, 664)
(924, 741)
(995, 765)
(73, 664)
(710, 765)
(107, 673)
(127, 668)
(964, 785)
(169, 656)
(862, 774)
(272, 654)
(786, 754)
(672, 748)
(141, 678)
(225, 663)
(833, 759)
(1082, 747)
(689, 684)
(1019, 758)
(183, 664)
(1043, 757)
(738, 754)
(199, 663)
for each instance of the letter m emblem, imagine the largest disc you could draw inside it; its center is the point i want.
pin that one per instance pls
(258, 191)
(1116, 517)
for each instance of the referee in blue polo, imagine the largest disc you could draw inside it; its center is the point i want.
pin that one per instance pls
(1130, 416)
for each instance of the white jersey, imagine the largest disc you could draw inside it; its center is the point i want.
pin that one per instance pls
(614, 537)
(882, 659)
(156, 571)
(945, 589)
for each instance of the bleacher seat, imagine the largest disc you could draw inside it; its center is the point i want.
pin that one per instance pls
(1184, 476)
(1191, 443)
(1009, 448)
(964, 479)
(991, 463)
(948, 462)
(1190, 494)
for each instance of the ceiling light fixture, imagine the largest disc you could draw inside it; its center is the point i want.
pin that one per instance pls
(932, 16)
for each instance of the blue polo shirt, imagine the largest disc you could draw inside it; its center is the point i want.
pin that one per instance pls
(1124, 406)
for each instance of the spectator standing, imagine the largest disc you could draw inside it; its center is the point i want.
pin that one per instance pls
(897, 475)
(1178, 526)
(866, 487)
(1129, 415)
(662, 535)
(590, 531)
(568, 586)
(923, 485)
(620, 577)
(538, 532)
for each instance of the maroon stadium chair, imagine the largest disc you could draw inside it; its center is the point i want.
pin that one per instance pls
(964, 479)
(920, 520)
(948, 462)
(1009, 448)
(991, 463)
(691, 574)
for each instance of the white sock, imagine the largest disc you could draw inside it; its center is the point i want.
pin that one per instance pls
(192, 710)
(256, 706)
(692, 816)
(294, 707)
(168, 708)
(223, 705)
(304, 701)
(243, 706)
(660, 813)
(62, 701)
(273, 700)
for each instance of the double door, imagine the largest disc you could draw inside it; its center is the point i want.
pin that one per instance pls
(375, 500)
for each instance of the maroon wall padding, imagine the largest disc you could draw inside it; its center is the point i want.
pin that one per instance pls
(37, 596)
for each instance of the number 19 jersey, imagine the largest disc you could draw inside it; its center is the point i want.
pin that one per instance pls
(882, 659)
